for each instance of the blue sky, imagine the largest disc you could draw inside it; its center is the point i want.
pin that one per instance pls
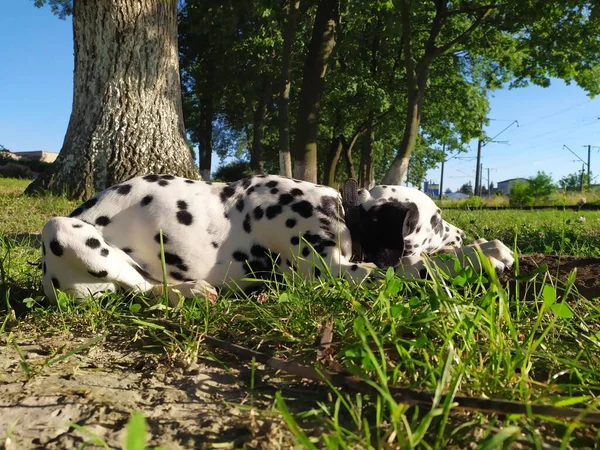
(36, 51)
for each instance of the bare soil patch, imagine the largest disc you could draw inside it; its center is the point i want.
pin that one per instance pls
(201, 406)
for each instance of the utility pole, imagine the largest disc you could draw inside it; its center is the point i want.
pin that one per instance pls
(589, 160)
(481, 143)
(477, 174)
(488, 181)
(480, 179)
(442, 174)
(582, 172)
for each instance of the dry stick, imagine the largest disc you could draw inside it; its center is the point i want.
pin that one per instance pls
(404, 395)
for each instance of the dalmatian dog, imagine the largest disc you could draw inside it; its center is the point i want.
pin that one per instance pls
(221, 235)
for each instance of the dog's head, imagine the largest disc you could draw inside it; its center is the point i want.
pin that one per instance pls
(381, 230)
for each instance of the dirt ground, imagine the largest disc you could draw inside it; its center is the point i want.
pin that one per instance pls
(201, 406)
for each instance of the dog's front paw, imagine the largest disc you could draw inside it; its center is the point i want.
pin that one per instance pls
(499, 254)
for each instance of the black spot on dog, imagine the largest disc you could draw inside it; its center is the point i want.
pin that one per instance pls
(227, 193)
(258, 213)
(182, 267)
(250, 190)
(247, 225)
(274, 191)
(286, 199)
(182, 204)
(295, 240)
(393, 189)
(317, 272)
(87, 205)
(124, 189)
(102, 221)
(290, 223)
(417, 230)
(77, 225)
(239, 256)
(354, 267)
(167, 177)
(259, 251)
(304, 208)
(272, 184)
(209, 183)
(172, 259)
(163, 183)
(55, 283)
(104, 252)
(215, 244)
(164, 237)
(296, 192)
(436, 223)
(273, 211)
(92, 243)
(146, 200)
(56, 248)
(189, 181)
(246, 182)
(288, 263)
(240, 205)
(127, 250)
(100, 274)
(305, 251)
(184, 217)
(177, 276)
(77, 212)
(150, 178)
(325, 221)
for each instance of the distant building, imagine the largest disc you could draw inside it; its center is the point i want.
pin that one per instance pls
(506, 185)
(432, 189)
(456, 196)
(39, 155)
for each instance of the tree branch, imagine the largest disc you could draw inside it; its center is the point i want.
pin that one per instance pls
(437, 51)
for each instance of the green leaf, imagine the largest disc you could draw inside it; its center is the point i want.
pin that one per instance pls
(136, 432)
(562, 310)
(549, 295)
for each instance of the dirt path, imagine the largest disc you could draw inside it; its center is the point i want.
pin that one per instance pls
(99, 388)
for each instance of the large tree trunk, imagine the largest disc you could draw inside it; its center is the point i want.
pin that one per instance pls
(315, 66)
(127, 117)
(285, 158)
(207, 116)
(367, 169)
(259, 122)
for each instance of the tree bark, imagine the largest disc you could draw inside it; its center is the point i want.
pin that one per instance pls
(258, 132)
(127, 117)
(315, 67)
(333, 157)
(417, 74)
(285, 158)
(399, 167)
(349, 162)
(367, 169)
(207, 116)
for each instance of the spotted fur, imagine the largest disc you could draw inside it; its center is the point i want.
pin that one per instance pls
(223, 234)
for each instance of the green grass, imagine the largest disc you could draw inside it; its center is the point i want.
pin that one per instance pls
(467, 336)
(564, 232)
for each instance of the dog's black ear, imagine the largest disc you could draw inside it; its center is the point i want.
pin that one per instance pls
(350, 202)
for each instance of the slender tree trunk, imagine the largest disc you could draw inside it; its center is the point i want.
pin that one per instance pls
(315, 67)
(285, 158)
(258, 132)
(349, 161)
(399, 167)
(367, 169)
(206, 128)
(333, 157)
(127, 118)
